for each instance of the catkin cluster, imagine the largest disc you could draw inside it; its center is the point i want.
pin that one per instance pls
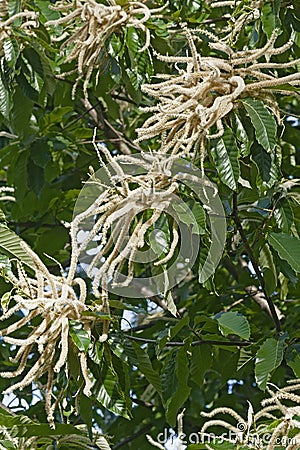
(192, 105)
(125, 210)
(282, 408)
(55, 301)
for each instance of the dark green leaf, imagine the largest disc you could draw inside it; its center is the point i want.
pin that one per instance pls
(287, 247)
(284, 215)
(10, 244)
(225, 155)
(108, 394)
(233, 323)
(4, 100)
(183, 390)
(263, 122)
(270, 17)
(36, 178)
(266, 262)
(145, 366)
(266, 164)
(268, 357)
(11, 51)
(201, 362)
(80, 337)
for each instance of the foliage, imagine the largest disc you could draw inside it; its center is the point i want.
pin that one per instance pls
(130, 131)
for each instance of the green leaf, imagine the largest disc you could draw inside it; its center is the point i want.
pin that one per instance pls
(268, 357)
(171, 304)
(26, 87)
(233, 323)
(108, 394)
(79, 336)
(55, 116)
(245, 357)
(225, 155)
(287, 247)
(292, 357)
(183, 390)
(270, 17)
(11, 51)
(126, 306)
(10, 244)
(36, 177)
(266, 164)
(39, 152)
(25, 427)
(20, 117)
(132, 39)
(266, 262)
(263, 122)
(200, 216)
(145, 366)
(201, 362)
(168, 334)
(168, 376)
(4, 100)
(186, 215)
(242, 137)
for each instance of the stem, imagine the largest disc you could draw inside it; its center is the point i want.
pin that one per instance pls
(254, 263)
(194, 343)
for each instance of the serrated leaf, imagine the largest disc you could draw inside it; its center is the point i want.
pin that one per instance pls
(108, 394)
(186, 215)
(266, 164)
(11, 51)
(29, 91)
(132, 39)
(10, 244)
(225, 155)
(292, 357)
(206, 264)
(268, 357)
(266, 262)
(168, 334)
(25, 427)
(245, 357)
(270, 17)
(79, 336)
(242, 136)
(4, 100)
(183, 390)
(145, 366)
(287, 247)
(200, 216)
(126, 306)
(233, 323)
(171, 304)
(36, 177)
(200, 362)
(284, 215)
(20, 117)
(263, 121)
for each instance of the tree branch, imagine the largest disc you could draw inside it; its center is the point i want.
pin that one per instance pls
(194, 343)
(254, 264)
(132, 436)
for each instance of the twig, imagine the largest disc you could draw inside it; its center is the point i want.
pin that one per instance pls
(132, 436)
(254, 263)
(194, 343)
